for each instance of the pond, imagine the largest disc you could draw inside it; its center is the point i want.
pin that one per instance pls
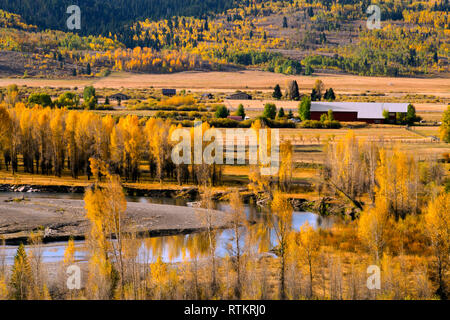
(170, 248)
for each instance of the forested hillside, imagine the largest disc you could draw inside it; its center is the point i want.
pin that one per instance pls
(104, 16)
(289, 37)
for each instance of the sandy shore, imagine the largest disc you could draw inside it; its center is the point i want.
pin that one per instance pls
(63, 219)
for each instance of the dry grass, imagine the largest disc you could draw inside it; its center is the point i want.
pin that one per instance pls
(251, 80)
(259, 80)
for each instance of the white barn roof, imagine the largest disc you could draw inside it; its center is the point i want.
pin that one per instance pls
(365, 110)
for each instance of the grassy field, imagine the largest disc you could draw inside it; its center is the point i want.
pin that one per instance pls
(250, 80)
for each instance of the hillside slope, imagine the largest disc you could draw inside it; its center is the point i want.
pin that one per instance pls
(104, 16)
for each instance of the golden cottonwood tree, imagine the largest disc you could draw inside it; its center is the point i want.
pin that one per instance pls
(373, 228)
(437, 223)
(157, 135)
(238, 221)
(306, 241)
(286, 166)
(105, 209)
(397, 177)
(282, 216)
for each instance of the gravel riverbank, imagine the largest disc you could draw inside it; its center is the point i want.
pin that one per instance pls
(63, 218)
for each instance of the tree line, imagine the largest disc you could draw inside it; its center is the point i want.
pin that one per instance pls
(59, 141)
(102, 17)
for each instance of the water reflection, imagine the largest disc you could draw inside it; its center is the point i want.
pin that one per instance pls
(181, 247)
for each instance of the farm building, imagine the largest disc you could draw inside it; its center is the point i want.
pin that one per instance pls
(207, 96)
(169, 92)
(239, 96)
(119, 97)
(357, 111)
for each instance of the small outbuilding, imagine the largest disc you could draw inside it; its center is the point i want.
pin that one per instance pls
(169, 92)
(239, 96)
(207, 96)
(119, 97)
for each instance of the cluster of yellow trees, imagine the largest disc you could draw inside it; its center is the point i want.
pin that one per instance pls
(328, 264)
(356, 168)
(439, 19)
(61, 142)
(11, 20)
(187, 44)
(146, 59)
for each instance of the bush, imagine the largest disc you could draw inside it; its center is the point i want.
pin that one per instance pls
(327, 124)
(221, 112)
(447, 186)
(178, 101)
(69, 100)
(223, 123)
(333, 124)
(41, 99)
(279, 123)
(304, 108)
(270, 111)
(313, 124)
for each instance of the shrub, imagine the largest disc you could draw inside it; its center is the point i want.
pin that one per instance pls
(221, 112)
(270, 111)
(41, 99)
(178, 101)
(313, 124)
(223, 123)
(304, 109)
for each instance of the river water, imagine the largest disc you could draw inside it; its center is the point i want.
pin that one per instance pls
(170, 248)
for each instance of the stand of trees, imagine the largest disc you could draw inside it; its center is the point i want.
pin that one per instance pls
(308, 262)
(105, 17)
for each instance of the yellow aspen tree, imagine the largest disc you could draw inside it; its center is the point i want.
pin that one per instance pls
(158, 139)
(58, 143)
(286, 167)
(132, 142)
(238, 221)
(307, 242)
(71, 144)
(373, 228)
(208, 220)
(105, 208)
(5, 133)
(159, 273)
(259, 183)
(3, 288)
(343, 167)
(282, 223)
(69, 253)
(437, 224)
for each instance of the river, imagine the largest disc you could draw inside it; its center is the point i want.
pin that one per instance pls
(170, 248)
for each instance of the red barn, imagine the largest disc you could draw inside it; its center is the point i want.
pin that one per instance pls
(357, 111)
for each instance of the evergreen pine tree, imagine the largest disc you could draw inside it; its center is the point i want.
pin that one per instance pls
(21, 276)
(277, 92)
